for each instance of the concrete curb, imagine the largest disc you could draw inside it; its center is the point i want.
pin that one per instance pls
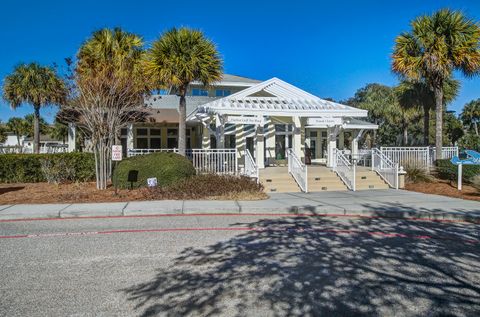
(384, 204)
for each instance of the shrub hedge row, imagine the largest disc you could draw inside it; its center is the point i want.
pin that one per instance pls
(448, 170)
(168, 168)
(27, 168)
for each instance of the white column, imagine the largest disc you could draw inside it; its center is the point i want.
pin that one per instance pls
(260, 149)
(331, 145)
(205, 137)
(297, 137)
(220, 129)
(130, 136)
(72, 132)
(269, 139)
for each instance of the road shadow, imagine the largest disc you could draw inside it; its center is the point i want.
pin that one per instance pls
(315, 266)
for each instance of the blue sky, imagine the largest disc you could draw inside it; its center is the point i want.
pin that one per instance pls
(329, 48)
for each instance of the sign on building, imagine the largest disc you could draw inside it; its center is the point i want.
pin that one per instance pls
(324, 122)
(246, 120)
(117, 152)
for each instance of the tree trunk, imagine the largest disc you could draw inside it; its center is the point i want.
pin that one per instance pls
(426, 125)
(475, 126)
(438, 121)
(182, 124)
(36, 130)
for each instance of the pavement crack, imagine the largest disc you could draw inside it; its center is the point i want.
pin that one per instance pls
(123, 209)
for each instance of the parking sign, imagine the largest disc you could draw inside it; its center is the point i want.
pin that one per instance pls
(116, 152)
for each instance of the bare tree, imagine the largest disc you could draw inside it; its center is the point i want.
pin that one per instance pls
(108, 91)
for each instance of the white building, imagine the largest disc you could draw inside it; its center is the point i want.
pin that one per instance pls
(250, 126)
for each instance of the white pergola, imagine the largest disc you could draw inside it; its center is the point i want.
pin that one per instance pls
(276, 98)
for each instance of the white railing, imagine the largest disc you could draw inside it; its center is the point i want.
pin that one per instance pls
(214, 161)
(298, 170)
(205, 161)
(49, 148)
(422, 156)
(344, 169)
(251, 168)
(385, 168)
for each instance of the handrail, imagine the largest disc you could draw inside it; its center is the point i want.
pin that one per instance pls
(298, 170)
(385, 168)
(251, 168)
(344, 169)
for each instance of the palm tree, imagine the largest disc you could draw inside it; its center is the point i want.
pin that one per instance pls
(417, 94)
(110, 87)
(59, 131)
(3, 132)
(36, 85)
(471, 114)
(179, 57)
(18, 126)
(436, 46)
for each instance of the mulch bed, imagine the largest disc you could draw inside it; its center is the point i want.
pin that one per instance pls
(44, 193)
(446, 188)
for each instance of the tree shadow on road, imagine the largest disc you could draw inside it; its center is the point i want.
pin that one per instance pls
(312, 266)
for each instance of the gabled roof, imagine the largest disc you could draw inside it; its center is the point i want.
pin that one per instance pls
(276, 97)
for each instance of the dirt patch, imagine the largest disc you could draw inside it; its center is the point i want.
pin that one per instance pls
(445, 188)
(44, 193)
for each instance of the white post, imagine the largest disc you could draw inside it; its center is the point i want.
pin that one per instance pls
(354, 170)
(297, 137)
(220, 132)
(459, 181)
(331, 145)
(205, 137)
(72, 132)
(260, 148)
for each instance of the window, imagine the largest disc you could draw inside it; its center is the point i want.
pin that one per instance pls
(142, 131)
(148, 138)
(230, 141)
(172, 138)
(222, 93)
(199, 92)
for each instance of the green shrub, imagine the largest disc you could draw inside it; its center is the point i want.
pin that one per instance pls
(27, 168)
(168, 168)
(417, 174)
(209, 186)
(448, 170)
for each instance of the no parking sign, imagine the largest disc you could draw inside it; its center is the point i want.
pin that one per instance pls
(116, 152)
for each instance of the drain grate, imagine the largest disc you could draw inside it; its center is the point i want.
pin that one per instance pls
(324, 188)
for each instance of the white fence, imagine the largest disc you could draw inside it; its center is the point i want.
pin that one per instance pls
(298, 170)
(50, 148)
(385, 167)
(418, 156)
(214, 161)
(344, 169)
(251, 168)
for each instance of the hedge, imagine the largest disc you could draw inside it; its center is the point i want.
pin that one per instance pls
(168, 168)
(448, 170)
(27, 168)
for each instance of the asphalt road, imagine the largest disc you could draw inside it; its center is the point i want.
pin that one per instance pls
(239, 266)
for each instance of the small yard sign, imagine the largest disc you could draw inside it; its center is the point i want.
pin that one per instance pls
(116, 152)
(473, 158)
(152, 182)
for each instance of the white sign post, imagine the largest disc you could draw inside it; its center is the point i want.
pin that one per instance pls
(459, 180)
(117, 154)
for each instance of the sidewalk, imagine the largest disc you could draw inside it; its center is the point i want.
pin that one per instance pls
(384, 203)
